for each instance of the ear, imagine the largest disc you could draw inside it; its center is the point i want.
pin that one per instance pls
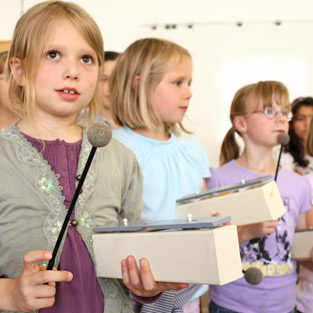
(135, 82)
(240, 124)
(16, 70)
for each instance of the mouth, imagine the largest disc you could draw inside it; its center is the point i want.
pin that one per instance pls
(69, 91)
(183, 108)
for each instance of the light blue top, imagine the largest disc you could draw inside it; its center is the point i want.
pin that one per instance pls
(171, 169)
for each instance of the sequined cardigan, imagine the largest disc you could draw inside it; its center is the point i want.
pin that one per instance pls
(32, 209)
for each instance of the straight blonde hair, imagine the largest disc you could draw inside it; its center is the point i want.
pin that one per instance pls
(246, 100)
(28, 43)
(136, 74)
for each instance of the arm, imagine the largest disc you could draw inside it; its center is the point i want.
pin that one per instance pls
(28, 291)
(259, 230)
(141, 282)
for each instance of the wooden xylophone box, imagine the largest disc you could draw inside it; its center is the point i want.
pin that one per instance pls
(200, 251)
(248, 202)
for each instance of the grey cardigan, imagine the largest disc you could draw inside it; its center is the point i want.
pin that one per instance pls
(32, 209)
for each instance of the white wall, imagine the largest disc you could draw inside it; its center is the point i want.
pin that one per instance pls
(225, 56)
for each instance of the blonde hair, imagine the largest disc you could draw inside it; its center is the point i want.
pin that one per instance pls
(28, 45)
(147, 61)
(247, 100)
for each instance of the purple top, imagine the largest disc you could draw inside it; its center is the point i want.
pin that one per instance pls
(83, 293)
(271, 254)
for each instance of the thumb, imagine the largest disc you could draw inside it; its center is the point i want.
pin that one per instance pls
(31, 258)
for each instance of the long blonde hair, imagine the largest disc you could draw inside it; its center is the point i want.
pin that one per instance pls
(148, 60)
(28, 44)
(246, 100)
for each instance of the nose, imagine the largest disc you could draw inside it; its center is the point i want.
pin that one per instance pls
(280, 117)
(71, 70)
(188, 93)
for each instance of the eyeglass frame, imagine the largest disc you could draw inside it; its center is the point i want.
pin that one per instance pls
(287, 114)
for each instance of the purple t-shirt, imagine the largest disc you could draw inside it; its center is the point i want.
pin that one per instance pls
(276, 293)
(83, 293)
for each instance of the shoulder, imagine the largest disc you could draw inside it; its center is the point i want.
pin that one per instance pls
(117, 150)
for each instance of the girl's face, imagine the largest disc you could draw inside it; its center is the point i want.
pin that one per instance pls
(263, 130)
(67, 74)
(105, 72)
(301, 121)
(171, 96)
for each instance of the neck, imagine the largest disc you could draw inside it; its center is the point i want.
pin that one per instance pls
(160, 134)
(51, 129)
(6, 117)
(106, 114)
(258, 162)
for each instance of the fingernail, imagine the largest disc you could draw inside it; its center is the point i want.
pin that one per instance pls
(129, 260)
(123, 262)
(70, 276)
(48, 254)
(142, 262)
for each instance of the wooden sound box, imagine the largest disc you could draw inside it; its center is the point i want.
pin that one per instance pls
(198, 251)
(302, 245)
(249, 202)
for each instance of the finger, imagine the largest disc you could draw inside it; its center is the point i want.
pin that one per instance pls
(44, 291)
(172, 286)
(43, 277)
(146, 275)
(41, 303)
(133, 271)
(125, 275)
(31, 259)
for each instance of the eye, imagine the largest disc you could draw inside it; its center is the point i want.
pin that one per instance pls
(53, 54)
(87, 59)
(177, 83)
(299, 118)
(269, 111)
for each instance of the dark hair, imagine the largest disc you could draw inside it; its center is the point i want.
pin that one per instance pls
(295, 146)
(3, 58)
(110, 55)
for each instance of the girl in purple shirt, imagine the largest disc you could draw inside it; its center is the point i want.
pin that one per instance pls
(259, 113)
(53, 65)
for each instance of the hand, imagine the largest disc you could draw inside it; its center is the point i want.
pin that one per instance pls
(308, 264)
(141, 282)
(258, 230)
(28, 291)
(220, 214)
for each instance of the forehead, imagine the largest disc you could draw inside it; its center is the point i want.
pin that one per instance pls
(65, 33)
(305, 110)
(180, 63)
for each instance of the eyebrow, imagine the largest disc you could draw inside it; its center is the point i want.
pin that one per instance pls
(60, 47)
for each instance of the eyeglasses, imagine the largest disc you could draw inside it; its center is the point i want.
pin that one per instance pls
(272, 113)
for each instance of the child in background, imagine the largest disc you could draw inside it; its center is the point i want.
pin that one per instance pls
(150, 95)
(295, 156)
(54, 66)
(259, 113)
(105, 72)
(305, 284)
(6, 116)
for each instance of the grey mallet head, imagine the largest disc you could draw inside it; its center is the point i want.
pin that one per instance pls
(253, 275)
(99, 134)
(283, 139)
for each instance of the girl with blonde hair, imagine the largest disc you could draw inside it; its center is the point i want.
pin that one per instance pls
(54, 64)
(150, 95)
(259, 113)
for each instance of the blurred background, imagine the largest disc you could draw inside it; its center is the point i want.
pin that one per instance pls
(232, 42)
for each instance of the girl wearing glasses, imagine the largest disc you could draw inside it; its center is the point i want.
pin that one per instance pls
(259, 113)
